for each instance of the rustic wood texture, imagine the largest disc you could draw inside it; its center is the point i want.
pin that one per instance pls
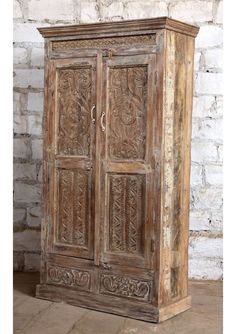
(117, 128)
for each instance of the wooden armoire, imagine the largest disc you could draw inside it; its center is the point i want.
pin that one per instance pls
(116, 164)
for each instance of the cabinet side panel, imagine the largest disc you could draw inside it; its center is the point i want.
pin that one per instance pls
(176, 166)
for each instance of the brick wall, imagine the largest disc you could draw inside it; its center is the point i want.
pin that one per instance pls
(206, 173)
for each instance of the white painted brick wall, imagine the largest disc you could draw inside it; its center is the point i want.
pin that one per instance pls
(206, 173)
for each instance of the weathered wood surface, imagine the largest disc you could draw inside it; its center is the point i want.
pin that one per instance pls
(117, 127)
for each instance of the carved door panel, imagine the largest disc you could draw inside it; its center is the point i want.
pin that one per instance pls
(126, 171)
(72, 124)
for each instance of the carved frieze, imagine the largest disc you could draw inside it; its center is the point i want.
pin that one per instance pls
(68, 277)
(122, 286)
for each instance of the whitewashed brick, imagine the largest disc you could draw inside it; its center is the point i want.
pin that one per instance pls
(32, 262)
(209, 36)
(216, 221)
(147, 9)
(197, 57)
(27, 32)
(207, 106)
(205, 268)
(27, 240)
(21, 148)
(37, 149)
(208, 129)
(26, 78)
(192, 11)
(111, 10)
(219, 13)
(214, 174)
(209, 83)
(203, 152)
(19, 214)
(50, 10)
(34, 216)
(196, 175)
(24, 171)
(220, 152)
(17, 12)
(19, 56)
(35, 102)
(18, 261)
(37, 57)
(16, 102)
(214, 59)
(35, 124)
(20, 124)
(199, 220)
(205, 247)
(40, 174)
(27, 193)
(89, 11)
(207, 198)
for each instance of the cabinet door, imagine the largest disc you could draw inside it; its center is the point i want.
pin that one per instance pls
(71, 144)
(126, 155)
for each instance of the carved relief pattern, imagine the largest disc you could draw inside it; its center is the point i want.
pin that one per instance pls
(73, 213)
(126, 207)
(125, 287)
(105, 42)
(68, 277)
(127, 107)
(74, 104)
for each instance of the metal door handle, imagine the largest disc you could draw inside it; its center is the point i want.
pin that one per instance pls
(102, 125)
(92, 113)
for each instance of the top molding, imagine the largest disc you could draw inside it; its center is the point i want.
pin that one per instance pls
(143, 25)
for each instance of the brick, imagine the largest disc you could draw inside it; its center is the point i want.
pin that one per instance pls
(208, 129)
(35, 124)
(37, 149)
(24, 171)
(197, 57)
(17, 12)
(199, 220)
(111, 10)
(196, 175)
(32, 262)
(204, 151)
(192, 11)
(16, 103)
(219, 13)
(18, 261)
(205, 268)
(27, 32)
(19, 214)
(37, 57)
(40, 174)
(35, 102)
(89, 11)
(27, 240)
(216, 221)
(20, 124)
(147, 9)
(21, 148)
(34, 216)
(27, 78)
(209, 83)
(207, 106)
(41, 10)
(214, 59)
(27, 193)
(205, 247)
(209, 36)
(19, 56)
(207, 198)
(214, 174)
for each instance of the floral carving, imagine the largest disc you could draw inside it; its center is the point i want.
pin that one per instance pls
(68, 277)
(125, 287)
(126, 223)
(74, 104)
(127, 107)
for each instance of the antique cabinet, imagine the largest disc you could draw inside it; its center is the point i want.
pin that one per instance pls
(117, 129)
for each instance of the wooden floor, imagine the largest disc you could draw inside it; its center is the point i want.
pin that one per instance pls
(35, 316)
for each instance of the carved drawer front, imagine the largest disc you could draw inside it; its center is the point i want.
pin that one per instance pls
(127, 159)
(69, 277)
(73, 90)
(125, 286)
